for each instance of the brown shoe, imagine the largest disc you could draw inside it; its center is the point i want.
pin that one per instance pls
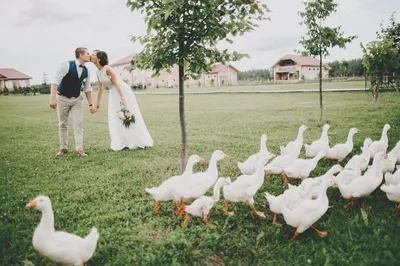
(81, 153)
(61, 152)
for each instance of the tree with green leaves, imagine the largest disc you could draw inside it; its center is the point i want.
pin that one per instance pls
(381, 58)
(319, 38)
(186, 33)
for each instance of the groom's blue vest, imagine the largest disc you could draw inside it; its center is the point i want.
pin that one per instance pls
(71, 84)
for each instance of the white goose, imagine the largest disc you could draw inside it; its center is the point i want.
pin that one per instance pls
(392, 188)
(198, 184)
(244, 189)
(201, 207)
(388, 165)
(291, 197)
(363, 158)
(308, 212)
(380, 145)
(301, 168)
(58, 246)
(348, 175)
(294, 146)
(363, 186)
(278, 165)
(162, 193)
(317, 181)
(268, 157)
(393, 179)
(250, 165)
(321, 144)
(340, 151)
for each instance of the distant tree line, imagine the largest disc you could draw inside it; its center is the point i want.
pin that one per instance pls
(347, 68)
(255, 74)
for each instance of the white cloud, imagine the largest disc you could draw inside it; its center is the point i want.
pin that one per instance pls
(38, 35)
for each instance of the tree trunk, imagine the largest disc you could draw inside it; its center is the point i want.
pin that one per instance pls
(365, 80)
(321, 106)
(182, 113)
(375, 86)
(374, 94)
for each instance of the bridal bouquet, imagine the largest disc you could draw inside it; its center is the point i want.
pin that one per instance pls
(126, 117)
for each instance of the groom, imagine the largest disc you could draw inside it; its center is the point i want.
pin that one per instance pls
(66, 97)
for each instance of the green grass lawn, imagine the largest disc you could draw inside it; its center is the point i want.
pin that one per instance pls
(266, 87)
(106, 189)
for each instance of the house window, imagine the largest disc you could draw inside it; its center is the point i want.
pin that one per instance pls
(208, 76)
(9, 84)
(162, 80)
(309, 68)
(173, 80)
(215, 76)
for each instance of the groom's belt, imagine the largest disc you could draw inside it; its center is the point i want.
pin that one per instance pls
(65, 95)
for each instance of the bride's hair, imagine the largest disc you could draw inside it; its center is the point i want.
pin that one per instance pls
(103, 58)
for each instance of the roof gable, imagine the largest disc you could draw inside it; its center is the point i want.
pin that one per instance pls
(11, 73)
(123, 61)
(218, 67)
(301, 60)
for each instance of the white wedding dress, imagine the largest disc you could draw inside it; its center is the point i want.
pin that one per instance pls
(137, 135)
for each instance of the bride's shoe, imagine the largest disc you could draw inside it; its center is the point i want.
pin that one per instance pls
(81, 153)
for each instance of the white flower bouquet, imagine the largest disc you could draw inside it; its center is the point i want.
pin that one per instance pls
(126, 117)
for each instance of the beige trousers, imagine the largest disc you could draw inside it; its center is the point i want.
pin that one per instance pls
(64, 107)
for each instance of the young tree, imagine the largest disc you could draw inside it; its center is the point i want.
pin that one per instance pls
(320, 38)
(186, 32)
(45, 79)
(381, 58)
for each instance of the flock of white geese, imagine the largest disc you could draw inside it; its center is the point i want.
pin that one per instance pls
(301, 206)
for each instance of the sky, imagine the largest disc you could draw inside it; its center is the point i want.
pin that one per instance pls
(37, 36)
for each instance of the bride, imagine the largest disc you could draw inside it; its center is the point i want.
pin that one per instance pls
(137, 135)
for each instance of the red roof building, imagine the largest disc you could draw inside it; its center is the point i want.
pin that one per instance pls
(296, 67)
(10, 78)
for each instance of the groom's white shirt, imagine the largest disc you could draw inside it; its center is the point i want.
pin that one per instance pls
(63, 70)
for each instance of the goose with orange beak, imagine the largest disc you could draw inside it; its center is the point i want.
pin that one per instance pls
(199, 183)
(58, 246)
(340, 151)
(244, 188)
(363, 186)
(162, 193)
(202, 206)
(309, 211)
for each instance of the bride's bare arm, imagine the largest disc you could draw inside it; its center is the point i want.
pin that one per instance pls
(99, 93)
(114, 81)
